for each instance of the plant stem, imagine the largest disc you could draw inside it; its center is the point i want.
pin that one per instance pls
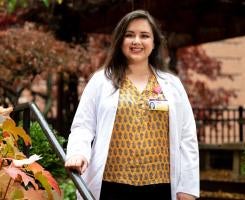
(7, 189)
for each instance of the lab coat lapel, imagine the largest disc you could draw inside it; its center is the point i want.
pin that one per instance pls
(167, 89)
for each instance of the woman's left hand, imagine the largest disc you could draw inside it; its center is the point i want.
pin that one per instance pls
(184, 196)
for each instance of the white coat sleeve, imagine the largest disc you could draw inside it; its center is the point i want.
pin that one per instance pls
(84, 123)
(189, 181)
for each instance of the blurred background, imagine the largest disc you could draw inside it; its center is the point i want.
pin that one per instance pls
(49, 49)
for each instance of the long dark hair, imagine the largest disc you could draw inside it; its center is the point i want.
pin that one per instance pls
(116, 63)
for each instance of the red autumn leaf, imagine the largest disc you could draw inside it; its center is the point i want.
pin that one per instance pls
(15, 173)
(52, 181)
(48, 182)
(5, 134)
(35, 167)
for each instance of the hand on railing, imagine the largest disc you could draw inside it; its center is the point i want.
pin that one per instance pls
(78, 163)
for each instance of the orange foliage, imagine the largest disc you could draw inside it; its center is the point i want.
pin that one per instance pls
(30, 51)
(15, 166)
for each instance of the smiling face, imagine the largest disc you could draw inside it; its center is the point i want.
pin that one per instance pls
(138, 41)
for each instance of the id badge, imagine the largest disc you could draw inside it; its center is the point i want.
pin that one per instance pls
(156, 104)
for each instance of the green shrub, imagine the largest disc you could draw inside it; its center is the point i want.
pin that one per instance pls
(50, 160)
(41, 146)
(69, 190)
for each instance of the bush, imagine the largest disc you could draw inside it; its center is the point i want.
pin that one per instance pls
(41, 146)
(50, 160)
(69, 190)
(30, 53)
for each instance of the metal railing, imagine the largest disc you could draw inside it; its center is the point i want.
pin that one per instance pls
(220, 125)
(30, 108)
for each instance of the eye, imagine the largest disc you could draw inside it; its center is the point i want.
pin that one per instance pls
(128, 35)
(145, 36)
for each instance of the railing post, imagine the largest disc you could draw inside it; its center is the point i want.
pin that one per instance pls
(241, 122)
(26, 126)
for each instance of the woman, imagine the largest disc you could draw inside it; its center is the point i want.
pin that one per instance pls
(123, 147)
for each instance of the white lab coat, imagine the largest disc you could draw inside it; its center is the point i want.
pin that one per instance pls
(94, 120)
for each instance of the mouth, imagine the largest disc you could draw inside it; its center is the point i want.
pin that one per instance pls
(136, 49)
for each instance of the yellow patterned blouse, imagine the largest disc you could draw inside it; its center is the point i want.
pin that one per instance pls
(139, 146)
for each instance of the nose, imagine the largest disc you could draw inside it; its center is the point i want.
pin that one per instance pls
(136, 40)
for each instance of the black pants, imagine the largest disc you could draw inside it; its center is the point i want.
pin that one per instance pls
(117, 191)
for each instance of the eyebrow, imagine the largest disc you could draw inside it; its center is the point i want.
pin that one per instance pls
(140, 32)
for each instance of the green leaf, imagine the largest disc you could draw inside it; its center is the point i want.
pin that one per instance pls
(46, 3)
(7, 148)
(11, 5)
(17, 194)
(23, 3)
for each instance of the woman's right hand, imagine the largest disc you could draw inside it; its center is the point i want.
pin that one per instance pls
(78, 163)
